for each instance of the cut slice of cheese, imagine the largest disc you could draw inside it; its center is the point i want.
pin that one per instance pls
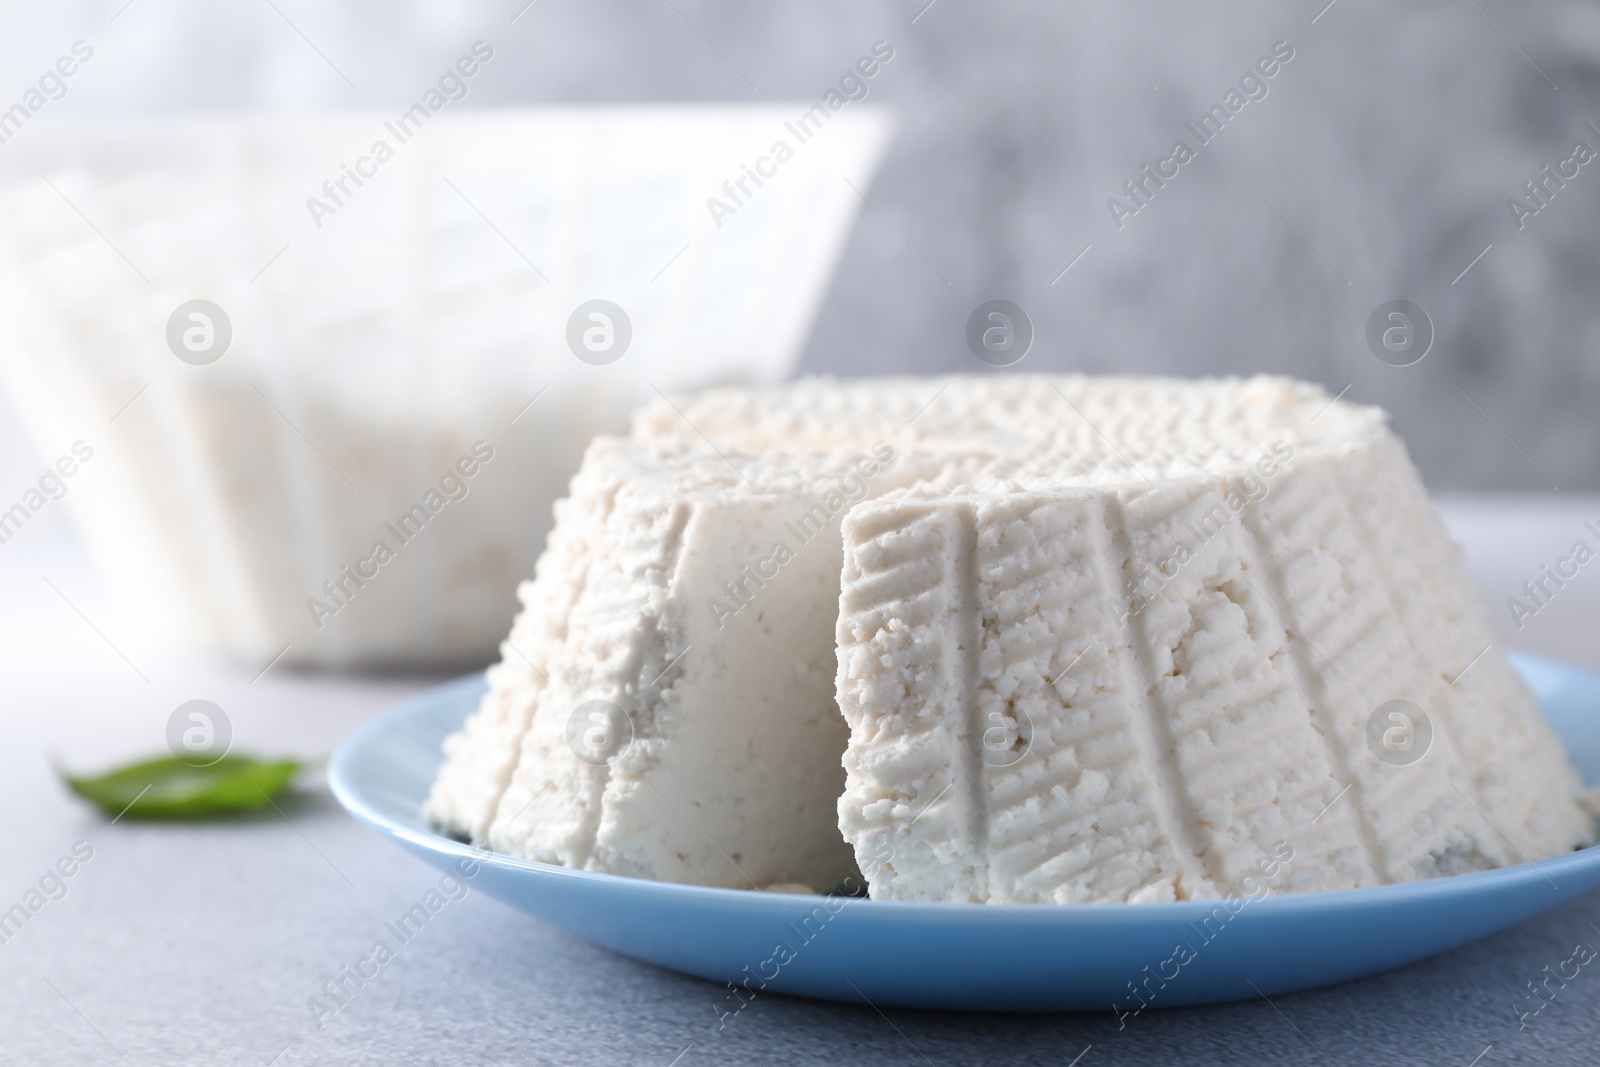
(665, 705)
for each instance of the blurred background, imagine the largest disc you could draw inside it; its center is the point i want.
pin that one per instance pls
(373, 359)
(990, 156)
(1391, 141)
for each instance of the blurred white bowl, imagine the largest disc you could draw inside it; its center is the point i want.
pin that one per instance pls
(374, 345)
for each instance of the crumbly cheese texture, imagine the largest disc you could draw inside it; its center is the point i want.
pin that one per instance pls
(1157, 687)
(699, 598)
(1093, 640)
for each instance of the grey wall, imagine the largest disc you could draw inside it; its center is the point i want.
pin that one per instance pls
(1378, 166)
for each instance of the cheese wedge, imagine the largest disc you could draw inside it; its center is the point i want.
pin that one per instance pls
(664, 707)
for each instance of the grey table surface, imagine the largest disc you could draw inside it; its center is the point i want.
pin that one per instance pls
(201, 944)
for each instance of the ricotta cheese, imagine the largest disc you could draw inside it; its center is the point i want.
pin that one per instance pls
(1143, 687)
(1092, 640)
(664, 706)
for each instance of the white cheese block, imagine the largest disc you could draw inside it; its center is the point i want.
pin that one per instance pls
(1041, 701)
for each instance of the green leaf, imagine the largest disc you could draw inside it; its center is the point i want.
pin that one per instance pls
(169, 788)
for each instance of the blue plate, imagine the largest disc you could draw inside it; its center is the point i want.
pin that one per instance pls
(978, 957)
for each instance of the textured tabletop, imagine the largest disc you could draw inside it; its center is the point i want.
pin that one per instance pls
(202, 944)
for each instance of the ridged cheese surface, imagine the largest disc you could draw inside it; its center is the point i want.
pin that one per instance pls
(1181, 671)
(1007, 639)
